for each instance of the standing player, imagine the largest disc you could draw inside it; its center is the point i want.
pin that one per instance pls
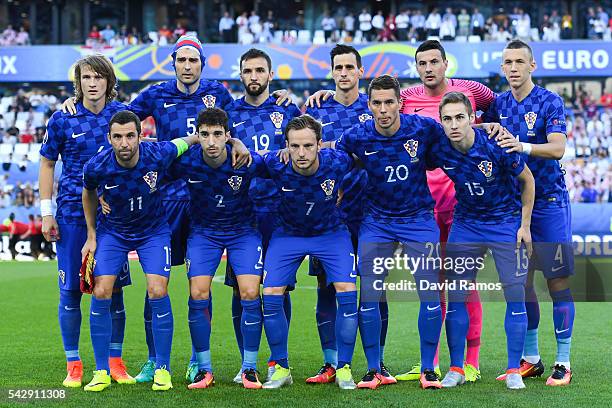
(76, 138)
(310, 225)
(222, 218)
(536, 117)
(488, 216)
(258, 121)
(398, 208)
(128, 174)
(347, 107)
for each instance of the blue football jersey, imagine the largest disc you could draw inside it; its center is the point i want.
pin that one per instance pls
(261, 128)
(132, 194)
(219, 197)
(542, 112)
(485, 180)
(335, 119)
(397, 184)
(308, 203)
(76, 139)
(176, 116)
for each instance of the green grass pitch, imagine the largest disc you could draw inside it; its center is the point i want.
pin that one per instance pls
(31, 354)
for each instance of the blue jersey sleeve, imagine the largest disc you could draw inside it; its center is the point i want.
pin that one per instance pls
(513, 162)
(555, 116)
(90, 178)
(293, 111)
(258, 168)
(142, 105)
(169, 152)
(53, 143)
(346, 142)
(490, 115)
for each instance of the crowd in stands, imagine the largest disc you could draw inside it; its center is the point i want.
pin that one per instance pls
(12, 37)
(108, 37)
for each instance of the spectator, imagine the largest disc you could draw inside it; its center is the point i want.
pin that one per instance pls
(23, 37)
(255, 26)
(501, 35)
(93, 37)
(602, 15)
(329, 25)
(463, 22)
(365, 24)
(449, 15)
(269, 25)
(164, 35)
(226, 28)
(388, 32)
(595, 128)
(117, 41)
(567, 26)
(23, 163)
(348, 25)
(550, 31)
(16, 230)
(378, 22)
(447, 28)
(417, 21)
(523, 26)
(134, 37)
(8, 36)
(477, 23)
(501, 19)
(589, 194)
(402, 24)
(178, 32)
(432, 24)
(555, 18)
(107, 34)
(242, 22)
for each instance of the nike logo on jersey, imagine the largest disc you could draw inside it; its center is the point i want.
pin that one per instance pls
(194, 181)
(236, 124)
(107, 187)
(251, 323)
(418, 110)
(288, 189)
(503, 117)
(350, 314)
(163, 315)
(448, 167)
(370, 153)
(75, 135)
(325, 124)
(167, 105)
(561, 331)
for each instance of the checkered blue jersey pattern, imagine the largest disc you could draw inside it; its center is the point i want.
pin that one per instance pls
(485, 180)
(542, 112)
(132, 194)
(76, 139)
(261, 128)
(176, 115)
(219, 197)
(335, 119)
(308, 203)
(397, 185)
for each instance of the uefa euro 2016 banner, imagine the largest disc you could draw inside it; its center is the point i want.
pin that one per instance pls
(151, 63)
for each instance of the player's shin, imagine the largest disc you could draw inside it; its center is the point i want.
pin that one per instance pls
(346, 326)
(563, 319)
(148, 320)
(251, 325)
(474, 310)
(430, 324)
(199, 327)
(277, 330)
(69, 314)
(100, 326)
(326, 323)
(515, 323)
(163, 327)
(369, 328)
(117, 309)
(531, 351)
(457, 323)
(236, 320)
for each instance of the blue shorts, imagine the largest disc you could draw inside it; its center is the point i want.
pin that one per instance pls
(286, 252)
(154, 252)
(177, 214)
(377, 239)
(551, 232)
(267, 222)
(205, 249)
(72, 239)
(315, 268)
(469, 240)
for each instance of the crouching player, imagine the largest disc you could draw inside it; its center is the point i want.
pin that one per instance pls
(128, 175)
(488, 215)
(222, 218)
(310, 225)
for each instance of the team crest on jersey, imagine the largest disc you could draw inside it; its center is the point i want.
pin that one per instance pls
(151, 179)
(62, 276)
(486, 167)
(328, 188)
(530, 119)
(209, 101)
(412, 146)
(187, 264)
(364, 116)
(277, 119)
(235, 182)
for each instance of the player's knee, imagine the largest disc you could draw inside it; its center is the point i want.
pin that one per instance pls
(274, 290)
(102, 292)
(557, 284)
(345, 286)
(199, 293)
(157, 291)
(249, 293)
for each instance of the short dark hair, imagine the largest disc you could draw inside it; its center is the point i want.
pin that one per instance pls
(213, 117)
(455, 97)
(517, 45)
(304, 122)
(100, 65)
(123, 117)
(384, 82)
(341, 49)
(255, 53)
(430, 45)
